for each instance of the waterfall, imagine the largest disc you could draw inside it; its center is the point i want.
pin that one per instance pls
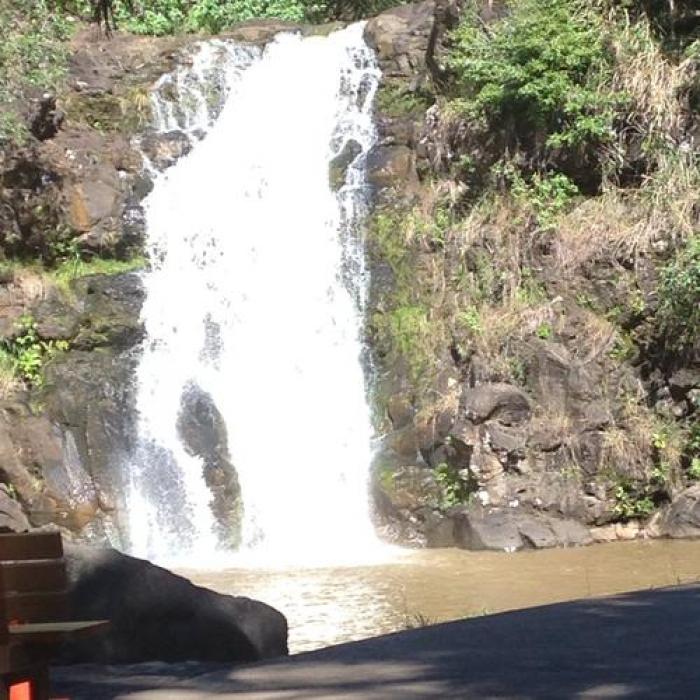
(254, 300)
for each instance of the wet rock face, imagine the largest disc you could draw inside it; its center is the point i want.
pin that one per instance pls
(47, 485)
(158, 616)
(46, 118)
(87, 424)
(339, 165)
(203, 433)
(164, 150)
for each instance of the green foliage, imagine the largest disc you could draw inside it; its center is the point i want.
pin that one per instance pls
(385, 235)
(694, 469)
(635, 498)
(160, 17)
(693, 450)
(631, 501)
(544, 331)
(409, 329)
(679, 298)
(29, 352)
(470, 318)
(623, 348)
(548, 195)
(395, 100)
(537, 72)
(73, 267)
(387, 478)
(410, 335)
(214, 16)
(455, 490)
(33, 55)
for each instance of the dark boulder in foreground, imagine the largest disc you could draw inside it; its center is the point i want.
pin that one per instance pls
(159, 616)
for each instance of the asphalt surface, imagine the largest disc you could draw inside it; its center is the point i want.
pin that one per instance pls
(638, 645)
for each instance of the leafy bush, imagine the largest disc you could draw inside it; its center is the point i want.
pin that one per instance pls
(159, 17)
(679, 297)
(456, 490)
(632, 501)
(536, 73)
(547, 195)
(29, 352)
(213, 16)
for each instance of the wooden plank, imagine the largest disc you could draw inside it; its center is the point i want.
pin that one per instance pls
(53, 632)
(34, 576)
(46, 606)
(3, 616)
(15, 657)
(31, 545)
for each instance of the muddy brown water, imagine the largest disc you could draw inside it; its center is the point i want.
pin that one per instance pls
(331, 605)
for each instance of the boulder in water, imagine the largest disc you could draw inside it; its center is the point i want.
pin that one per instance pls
(339, 165)
(203, 432)
(158, 616)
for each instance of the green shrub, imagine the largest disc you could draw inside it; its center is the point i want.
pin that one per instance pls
(536, 73)
(29, 352)
(679, 298)
(632, 502)
(548, 195)
(544, 331)
(159, 17)
(455, 490)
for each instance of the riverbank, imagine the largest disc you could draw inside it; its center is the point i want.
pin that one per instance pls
(594, 648)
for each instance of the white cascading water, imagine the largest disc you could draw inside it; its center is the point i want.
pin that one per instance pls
(255, 296)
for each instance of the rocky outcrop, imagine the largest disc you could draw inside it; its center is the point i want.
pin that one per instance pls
(555, 431)
(157, 616)
(682, 519)
(401, 38)
(203, 433)
(511, 530)
(60, 440)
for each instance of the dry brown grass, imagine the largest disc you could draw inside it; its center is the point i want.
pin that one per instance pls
(639, 440)
(651, 80)
(9, 382)
(30, 285)
(436, 405)
(621, 224)
(600, 337)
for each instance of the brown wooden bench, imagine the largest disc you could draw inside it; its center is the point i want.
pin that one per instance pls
(33, 612)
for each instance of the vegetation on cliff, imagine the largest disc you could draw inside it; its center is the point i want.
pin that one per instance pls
(551, 246)
(160, 17)
(541, 257)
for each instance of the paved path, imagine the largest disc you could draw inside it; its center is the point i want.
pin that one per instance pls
(639, 645)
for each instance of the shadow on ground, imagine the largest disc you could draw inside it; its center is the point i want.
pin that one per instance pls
(639, 645)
